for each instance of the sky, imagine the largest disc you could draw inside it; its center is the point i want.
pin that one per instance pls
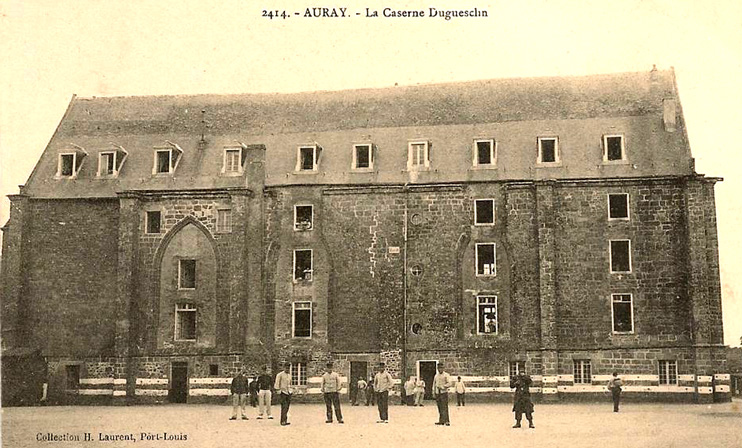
(54, 49)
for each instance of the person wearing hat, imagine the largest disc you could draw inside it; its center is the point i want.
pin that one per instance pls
(382, 385)
(441, 383)
(283, 389)
(522, 403)
(331, 393)
(614, 385)
(239, 394)
(265, 381)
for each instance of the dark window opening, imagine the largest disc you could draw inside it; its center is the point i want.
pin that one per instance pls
(67, 167)
(107, 163)
(187, 274)
(548, 150)
(363, 156)
(213, 369)
(622, 313)
(73, 376)
(303, 264)
(484, 210)
(303, 217)
(306, 155)
(614, 148)
(486, 259)
(618, 206)
(302, 319)
(153, 222)
(484, 153)
(186, 320)
(417, 328)
(163, 162)
(620, 257)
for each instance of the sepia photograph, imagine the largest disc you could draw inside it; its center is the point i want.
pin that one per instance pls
(401, 224)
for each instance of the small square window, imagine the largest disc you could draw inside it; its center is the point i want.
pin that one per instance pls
(517, 367)
(153, 220)
(107, 164)
(72, 377)
(548, 150)
(668, 372)
(487, 315)
(484, 212)
(485, 259)
(303, 264)
(618, 206)
(224, 221)
(484, 152)
(185, 322)
(363, 156)
(66, 166)
(613, 148)
(418, 155)
(622, 313)
(213, 369)
(232, 160)
(582, 371)
(187, 274)
(620, 254)
(298, 374)
(308, 158)
(302, 320)
(163, 162)
(303, 217)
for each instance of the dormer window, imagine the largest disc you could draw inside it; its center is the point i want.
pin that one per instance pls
(363, 156)
(418, 155)
(613, 148)
(548, 150)
(70, 162)
(484, 152)
(166, 159)
(234, 160)
(110, 161)
(307, 158)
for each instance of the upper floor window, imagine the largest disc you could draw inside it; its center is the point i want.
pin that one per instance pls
(233, 160)
(484, 152)
(486, 315)
(303, 217)
(111, 161)
(152, 222)
(166, 159)
(613, 148)
(307, 158)
(224, 220)
(187, 274)
(582, 371)
(302, 320)
(620, 254)
(668, 372)
(485, 259)
(618, 206)
(548, 150)
(185, 322)
(303, 264)
(484, 212)
(66, 166)
(418, 155)
(622, 313)
(363, 156)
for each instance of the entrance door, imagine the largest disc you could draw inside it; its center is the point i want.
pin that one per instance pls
(427, 370)
(357, 369)
(178, 392)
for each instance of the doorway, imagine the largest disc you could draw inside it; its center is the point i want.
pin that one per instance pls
(178, 392)
(427, 370)
(357, 369)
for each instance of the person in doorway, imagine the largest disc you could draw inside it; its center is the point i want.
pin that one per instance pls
(360, 390)
(441, 383)
(522, 403)
(331, 393)
(239, 394)
(460, 388)
(370, 393)
(614, 385)
(419, 391)
(265, 382)
(382, 386)
(409, 390)
(283, 389)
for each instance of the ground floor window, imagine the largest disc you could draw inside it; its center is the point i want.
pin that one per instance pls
(517, 367)
(668, 372)
(582, 371)
(298, 374)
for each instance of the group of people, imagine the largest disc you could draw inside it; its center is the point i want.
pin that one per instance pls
(379, 386)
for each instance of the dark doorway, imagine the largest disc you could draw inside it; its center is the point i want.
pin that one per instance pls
(427, 372)
(357, 369)
(178, 392)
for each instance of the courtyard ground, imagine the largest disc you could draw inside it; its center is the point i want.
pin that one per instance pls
(476, 425)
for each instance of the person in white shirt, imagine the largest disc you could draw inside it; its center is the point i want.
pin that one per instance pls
(331, 393)
(382, 385)
(283, 389)
(360, 390)
(409, 391)
(441, 383)
(419, 391)
(460, 391)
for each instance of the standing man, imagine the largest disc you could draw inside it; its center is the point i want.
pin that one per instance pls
(264, 393)
(360, 390)
(614, 385)
(460, 391)
(409, 391)
(331, 393)
(419, 391)
(283, 388)
(253, 391)
(522, 400)
(239, 394)
(441, 383)
(382, 385)
(370, 394)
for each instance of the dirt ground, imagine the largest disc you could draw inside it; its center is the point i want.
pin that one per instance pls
(476, 425)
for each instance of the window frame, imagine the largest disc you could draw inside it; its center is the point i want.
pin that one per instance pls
(628, 208)
(147, 221)
(426, 152)
(315, 159)
(354, 163)
(493, 212)
(583, 379)
(305, 306)
(240, 168)
(493, 153)
(185, 308)
(180, 274)
(301, 373)
(220, 225)
(311, 266)
(297, 226)
(623, 148)
(666, 371)
(513, 372)
(114, 172)
(483, 301)
(613, 313)
(175, 154)
(72, 175)
(557, 154)
(493, 272)
(610, 257)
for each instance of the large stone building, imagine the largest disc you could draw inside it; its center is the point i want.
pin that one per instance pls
(555, 225)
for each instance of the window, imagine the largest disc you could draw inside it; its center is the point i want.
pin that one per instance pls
(618, 206)
(487, 315)
(622, 313)
(363, 157)
(303, 264)
(582, 371)
(298, 374)
(187, 274)
(516, 367)
(166, 159)
(232, 160)
(308, 158)
(107, 163)
(185, 322)
(224, 221)
(484, 212)
(66, 166)
(486, 259)
(620, 255)
(669, 372)
(484, 152)
(548, 150)
(73, 376)
(613, 148)
(303, 217)
(302, 320)
(213, 369)
(152, 224)
(417, 155)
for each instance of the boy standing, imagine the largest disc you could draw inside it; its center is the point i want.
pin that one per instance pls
(331, 393)
(239, 394)
(460, 391)
(283, 388)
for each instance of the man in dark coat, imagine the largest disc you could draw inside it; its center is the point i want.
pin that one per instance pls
(614, 385)
(239, 394)
(522, 403)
